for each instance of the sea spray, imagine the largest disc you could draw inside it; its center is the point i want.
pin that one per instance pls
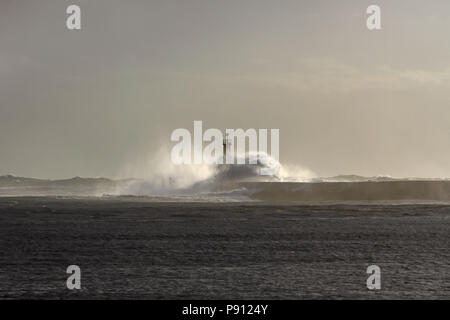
(156, 175)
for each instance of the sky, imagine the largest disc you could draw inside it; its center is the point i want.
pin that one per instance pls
(347, 100)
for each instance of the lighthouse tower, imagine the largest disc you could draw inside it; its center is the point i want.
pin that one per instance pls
(227, 144)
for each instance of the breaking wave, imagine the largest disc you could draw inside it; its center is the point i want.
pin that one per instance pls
(268, 180)
(163, 178)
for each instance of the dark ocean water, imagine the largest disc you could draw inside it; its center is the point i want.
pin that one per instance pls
(144, 250)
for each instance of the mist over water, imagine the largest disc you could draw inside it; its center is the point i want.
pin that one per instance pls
(156, 178)
(159, 176)
(269, 180)
(156, 174)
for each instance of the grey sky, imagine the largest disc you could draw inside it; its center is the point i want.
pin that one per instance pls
(346, 100)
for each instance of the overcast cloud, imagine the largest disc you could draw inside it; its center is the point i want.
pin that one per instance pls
(346, 100)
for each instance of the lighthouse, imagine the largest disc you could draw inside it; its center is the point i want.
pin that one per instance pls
(227, 144)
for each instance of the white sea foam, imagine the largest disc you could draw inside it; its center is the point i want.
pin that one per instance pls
(158, 176)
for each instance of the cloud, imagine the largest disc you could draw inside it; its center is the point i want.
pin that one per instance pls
(331, 76)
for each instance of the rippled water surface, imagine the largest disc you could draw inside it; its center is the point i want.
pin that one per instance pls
(147, 250)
